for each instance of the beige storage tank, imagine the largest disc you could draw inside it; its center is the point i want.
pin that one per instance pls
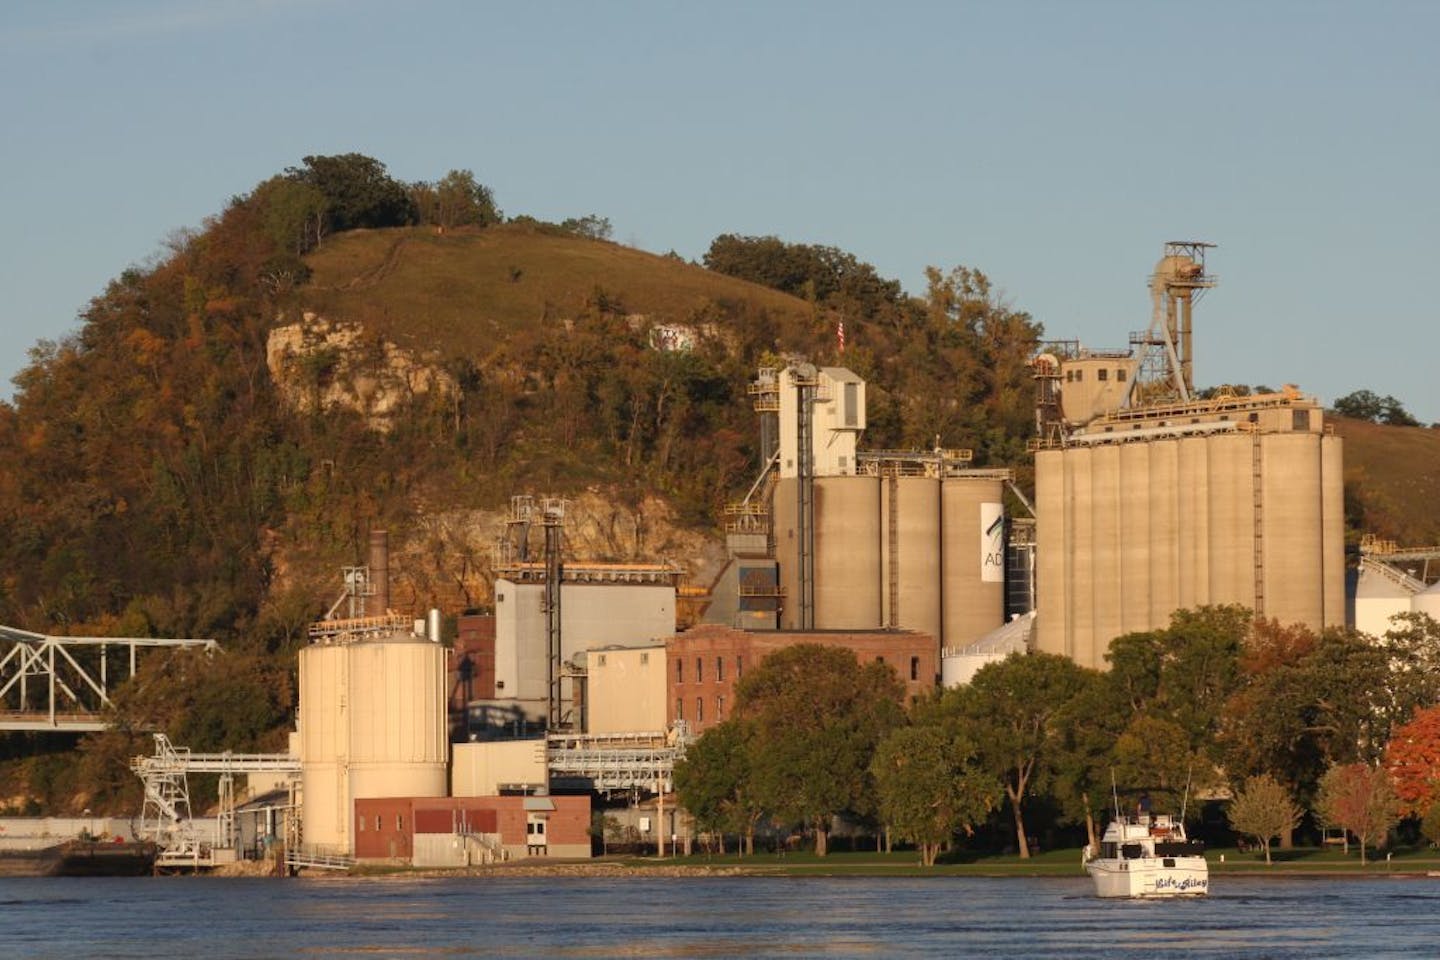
(972, 558)
(1293, 533)
(372, 724)
(910, 555)
(847, 554)
(1379, 597)
(1427, 602)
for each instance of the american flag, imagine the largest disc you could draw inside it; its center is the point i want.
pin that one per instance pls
(840, 334)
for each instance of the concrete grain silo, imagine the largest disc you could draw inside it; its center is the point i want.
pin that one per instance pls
(1189, 508)
(372, 713)
(973, 556)
(910, 551)
(1150, 499)
(372, 724)
(890, 539)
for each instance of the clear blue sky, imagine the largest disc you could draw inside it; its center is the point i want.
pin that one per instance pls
(1053, 145)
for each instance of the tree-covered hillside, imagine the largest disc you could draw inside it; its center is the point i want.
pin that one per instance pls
(159, 481)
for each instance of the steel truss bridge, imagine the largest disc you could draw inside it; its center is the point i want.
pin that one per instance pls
(50, 683)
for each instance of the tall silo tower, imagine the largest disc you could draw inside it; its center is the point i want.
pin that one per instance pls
(1165, 501)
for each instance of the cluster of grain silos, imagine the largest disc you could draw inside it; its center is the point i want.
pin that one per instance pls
(1138, 523)
(1150, 500)
(864, 541)
(915, 552)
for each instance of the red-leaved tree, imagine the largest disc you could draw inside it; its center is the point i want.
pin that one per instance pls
(1413, 758)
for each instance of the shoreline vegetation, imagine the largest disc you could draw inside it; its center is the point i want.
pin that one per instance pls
(1301, 861)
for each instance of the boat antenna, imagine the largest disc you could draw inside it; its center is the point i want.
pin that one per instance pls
(1186, 800)
(1114, 793)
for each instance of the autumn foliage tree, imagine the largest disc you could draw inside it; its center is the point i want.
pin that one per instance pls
(1413, 759)
(1360, 798)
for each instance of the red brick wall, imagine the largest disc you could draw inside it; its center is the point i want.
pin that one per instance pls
(475, 643)
(915, 657)
(568, 823)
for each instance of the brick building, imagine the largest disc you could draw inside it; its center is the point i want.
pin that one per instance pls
(704, 663)
(553, 826)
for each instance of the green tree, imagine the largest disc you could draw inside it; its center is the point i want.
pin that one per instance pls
(714, 783)
(591, 225)
(358, 192)
(929, 787)
(1359, 798)
(1013, 711)
(1264, 810)
(456, 200)
(814, 716)
(1361, 405)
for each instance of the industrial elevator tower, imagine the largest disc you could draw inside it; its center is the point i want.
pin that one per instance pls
(1163, 365)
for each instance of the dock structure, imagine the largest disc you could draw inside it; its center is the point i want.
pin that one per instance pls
(166, 817)
(54, 683)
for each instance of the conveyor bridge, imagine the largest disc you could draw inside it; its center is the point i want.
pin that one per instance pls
(53, 683)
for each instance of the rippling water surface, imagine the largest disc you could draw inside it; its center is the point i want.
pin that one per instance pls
(233, 919)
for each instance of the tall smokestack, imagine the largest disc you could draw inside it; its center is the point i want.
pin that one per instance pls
(380, 571)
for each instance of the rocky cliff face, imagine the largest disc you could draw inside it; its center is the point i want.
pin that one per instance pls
(447, 558)
(320, 364)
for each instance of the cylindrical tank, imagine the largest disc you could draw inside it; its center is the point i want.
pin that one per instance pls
(847, 553)
(972, 558)
(1332, 497)
(372, 724)
(910, 560)
(1052, 579)
(958, 667)
(1292, 527)
(1194, 514)
(1105, 540)
(1427, 602)
(1134, 580)
(1232, 519)
(1164, 506)
(1377, 599)
(1079, 484)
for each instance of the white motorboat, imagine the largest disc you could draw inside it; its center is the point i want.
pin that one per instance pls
(1149, 856)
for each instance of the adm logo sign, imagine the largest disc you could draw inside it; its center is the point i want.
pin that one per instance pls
(992, 543)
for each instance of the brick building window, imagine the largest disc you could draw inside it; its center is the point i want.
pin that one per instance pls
(679, 670)
(720, 669)
(914, 668)
(720, 708)
(699, 669)
(699, 709)
(679, 708)
(739, 666)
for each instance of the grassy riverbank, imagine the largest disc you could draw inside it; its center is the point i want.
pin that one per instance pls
(1302, 861)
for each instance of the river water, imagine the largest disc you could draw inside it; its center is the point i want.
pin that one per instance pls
(257, 919)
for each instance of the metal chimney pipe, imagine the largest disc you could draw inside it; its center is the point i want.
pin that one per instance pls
(380, 572)
(433, 627)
